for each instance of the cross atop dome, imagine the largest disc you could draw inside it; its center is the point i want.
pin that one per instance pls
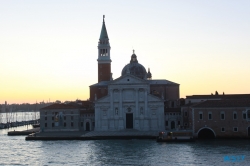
(133, 58)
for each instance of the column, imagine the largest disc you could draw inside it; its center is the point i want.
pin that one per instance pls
(146, 103)
(97, 119)
(136, 102)
(120, 102)
(110, 113)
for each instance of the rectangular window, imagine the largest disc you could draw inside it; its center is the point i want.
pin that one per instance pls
(72, 117)
(209, 116)
(222, 116)
(45, 118)
(179, 122)
(72, 124)
(235, 115)
(64, 117)
(186, 114)
(45, 125)
(64, 124)
(200, 116)
(53, 125)
(222, 129)
(81, 124)
(166, 123)
(235, 129)
(244, 115)
(52, 117)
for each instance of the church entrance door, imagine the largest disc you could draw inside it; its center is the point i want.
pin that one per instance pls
(87, 126)
(129, 121)
(172, 125)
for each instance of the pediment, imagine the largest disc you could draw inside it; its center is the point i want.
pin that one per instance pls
(154, 98)
(128, 79)
(103, 99)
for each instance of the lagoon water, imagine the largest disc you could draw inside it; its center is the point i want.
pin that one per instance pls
(15, 150)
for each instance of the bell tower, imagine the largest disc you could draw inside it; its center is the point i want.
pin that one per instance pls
(104, 61)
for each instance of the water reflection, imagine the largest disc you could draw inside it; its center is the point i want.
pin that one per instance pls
(15, 150)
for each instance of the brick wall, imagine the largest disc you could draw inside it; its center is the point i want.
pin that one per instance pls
(216, 123)
(104, 71)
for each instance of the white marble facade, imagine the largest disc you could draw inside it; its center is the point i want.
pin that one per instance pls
(129, 105)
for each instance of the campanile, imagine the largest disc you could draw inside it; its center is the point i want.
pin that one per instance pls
(104, 61)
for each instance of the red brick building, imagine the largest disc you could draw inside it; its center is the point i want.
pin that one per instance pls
(219, 116)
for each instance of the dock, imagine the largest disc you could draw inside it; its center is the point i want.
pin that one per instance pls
(92, 135)
(24, 132)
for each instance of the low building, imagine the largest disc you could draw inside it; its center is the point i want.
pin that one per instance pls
(173, 119)
(221, 119)
(78, 116)
(200, 98)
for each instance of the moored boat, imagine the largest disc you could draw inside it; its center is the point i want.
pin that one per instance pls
(36, 125)
(175, 136)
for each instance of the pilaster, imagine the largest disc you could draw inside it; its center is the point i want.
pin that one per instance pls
(120, 102)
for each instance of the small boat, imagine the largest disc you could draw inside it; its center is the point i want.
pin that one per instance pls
(175, 136)
(36, 125)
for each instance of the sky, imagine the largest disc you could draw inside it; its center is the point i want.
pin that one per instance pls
(48, 49)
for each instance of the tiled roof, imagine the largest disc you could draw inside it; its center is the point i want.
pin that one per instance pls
(229, 96)
(224, 103)
(172, 110)
(151, 82)
(102, 83)
(189, 104)
(163, 82)
(60, 106)
(91, 111)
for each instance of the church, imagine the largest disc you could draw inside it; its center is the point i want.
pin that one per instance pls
(137, 102)
(132, 101)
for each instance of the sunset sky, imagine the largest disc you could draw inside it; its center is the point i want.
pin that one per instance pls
(48, 48)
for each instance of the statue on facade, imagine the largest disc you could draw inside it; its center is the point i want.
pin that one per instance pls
(141, 111)
(116, 111)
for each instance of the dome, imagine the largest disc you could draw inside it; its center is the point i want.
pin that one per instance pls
(135, 68)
